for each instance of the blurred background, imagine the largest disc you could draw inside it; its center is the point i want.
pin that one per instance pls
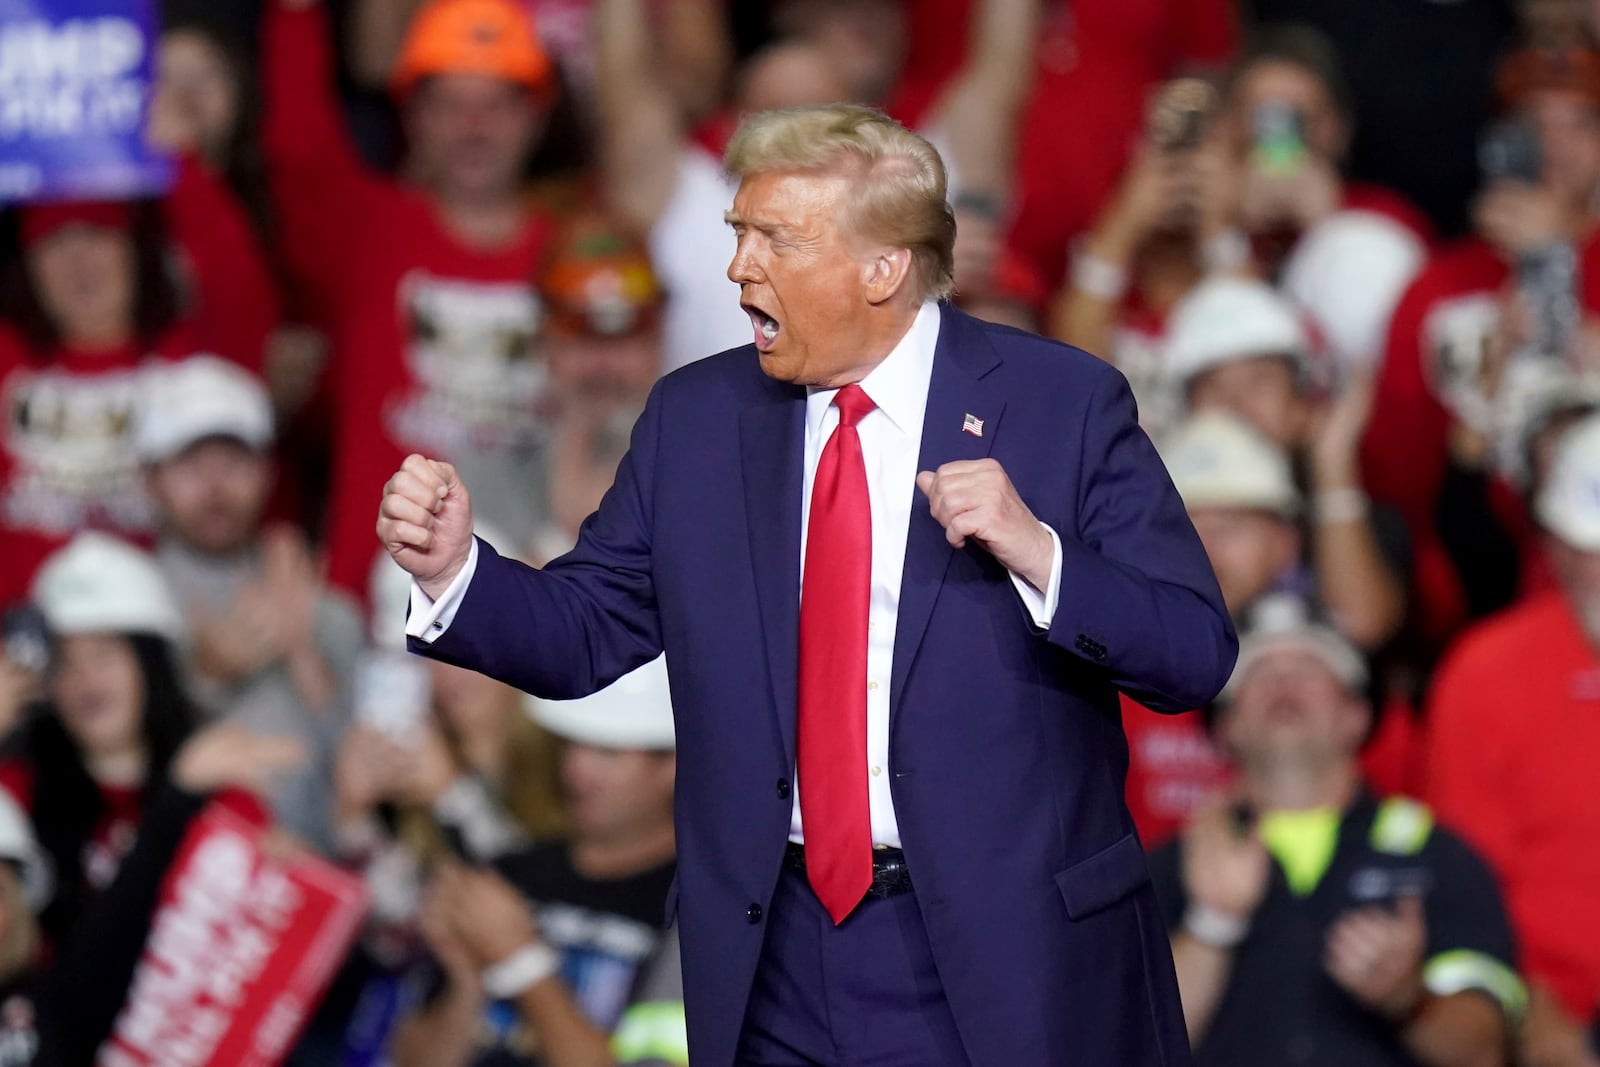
(254, 252)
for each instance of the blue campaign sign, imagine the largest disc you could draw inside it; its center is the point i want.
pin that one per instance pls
(75, 85)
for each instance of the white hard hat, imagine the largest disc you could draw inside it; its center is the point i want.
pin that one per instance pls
(1569, 503)
(1280, 622)
(634, 712)
(1348, 272)
(1218, 460)
(18, 845)
(199, 397)
(99, 584)
(1226, 319)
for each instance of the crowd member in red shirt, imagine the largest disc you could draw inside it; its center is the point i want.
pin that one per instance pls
(1512, 732)
(423, 282)
(1097, 62)
(85, 765)
(1440, 403)
(93, 295)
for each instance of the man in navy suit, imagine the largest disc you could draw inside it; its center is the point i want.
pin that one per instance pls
(901, 563)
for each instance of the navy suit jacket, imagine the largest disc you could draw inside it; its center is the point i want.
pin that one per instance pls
(1006, 744)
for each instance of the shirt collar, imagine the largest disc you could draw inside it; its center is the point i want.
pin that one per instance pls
(898, 385)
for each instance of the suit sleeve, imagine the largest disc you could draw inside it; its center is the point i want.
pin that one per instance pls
(1137, 595)
(584, 620)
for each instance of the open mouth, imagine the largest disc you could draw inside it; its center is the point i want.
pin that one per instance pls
(766, 327)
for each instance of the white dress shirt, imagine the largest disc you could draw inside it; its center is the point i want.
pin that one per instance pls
(891, 441)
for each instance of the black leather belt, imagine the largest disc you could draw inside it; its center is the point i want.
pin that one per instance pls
(890, 875)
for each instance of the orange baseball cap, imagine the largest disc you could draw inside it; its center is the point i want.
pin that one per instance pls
(597, 280)
(496, 38)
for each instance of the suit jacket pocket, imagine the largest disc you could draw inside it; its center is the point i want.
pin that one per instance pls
(1104, 878)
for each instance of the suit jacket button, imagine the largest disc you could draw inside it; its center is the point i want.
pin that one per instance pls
(1083, 644)
(752, 914)
(783, 789)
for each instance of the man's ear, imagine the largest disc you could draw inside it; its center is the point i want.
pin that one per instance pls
(887, 274)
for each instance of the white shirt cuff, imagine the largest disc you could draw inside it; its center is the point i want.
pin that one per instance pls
(1041, 605)
(429, 619)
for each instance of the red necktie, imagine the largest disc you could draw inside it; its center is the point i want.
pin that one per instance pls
(834, 599)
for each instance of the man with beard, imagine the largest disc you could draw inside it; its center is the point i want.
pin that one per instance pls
(273, 648)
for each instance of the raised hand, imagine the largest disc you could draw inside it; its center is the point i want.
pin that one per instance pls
(1224, 869)
(1376, 956)
(425, 521)
(226, 755)
(488, 916)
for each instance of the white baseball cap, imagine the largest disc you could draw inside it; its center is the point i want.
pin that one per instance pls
(200, 397)
(100, 584)
(633, 712)
(1569, 503)
(18, 845)
(1226, 319)
(1281, 622)
(1218, 460)
(1347, 273)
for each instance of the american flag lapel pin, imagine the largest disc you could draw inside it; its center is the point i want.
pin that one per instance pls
(972, 424)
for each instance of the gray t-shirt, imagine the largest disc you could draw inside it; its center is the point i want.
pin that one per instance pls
(267, 701)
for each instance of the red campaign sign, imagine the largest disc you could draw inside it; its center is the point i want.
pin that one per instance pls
(242, 946)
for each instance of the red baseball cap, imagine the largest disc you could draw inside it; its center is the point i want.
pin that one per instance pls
(40, 222)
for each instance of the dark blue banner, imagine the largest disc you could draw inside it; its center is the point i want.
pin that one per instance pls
(75, 86)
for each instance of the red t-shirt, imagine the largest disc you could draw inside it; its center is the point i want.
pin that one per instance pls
(436, 344)
(67, 459)
(1514, 723)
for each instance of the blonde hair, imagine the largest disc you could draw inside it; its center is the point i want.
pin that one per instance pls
(900, 185)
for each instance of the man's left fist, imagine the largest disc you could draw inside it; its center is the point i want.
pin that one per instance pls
(974, 498)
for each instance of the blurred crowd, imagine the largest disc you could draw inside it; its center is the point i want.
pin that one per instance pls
(1346, 253)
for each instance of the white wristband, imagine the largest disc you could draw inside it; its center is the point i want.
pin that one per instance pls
(1335, 506)
(1213, 928)
(1099, 278)
(522, 970)
(1226, 252)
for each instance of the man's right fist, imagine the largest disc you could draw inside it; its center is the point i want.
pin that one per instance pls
(425, 521)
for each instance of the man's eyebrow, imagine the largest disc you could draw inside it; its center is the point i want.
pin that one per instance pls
(771, 229)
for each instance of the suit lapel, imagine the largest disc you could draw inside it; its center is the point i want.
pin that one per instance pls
(957, 390)
(772, 444)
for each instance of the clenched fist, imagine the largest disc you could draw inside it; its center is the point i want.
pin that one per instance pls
(975, 498)
(425, 521)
